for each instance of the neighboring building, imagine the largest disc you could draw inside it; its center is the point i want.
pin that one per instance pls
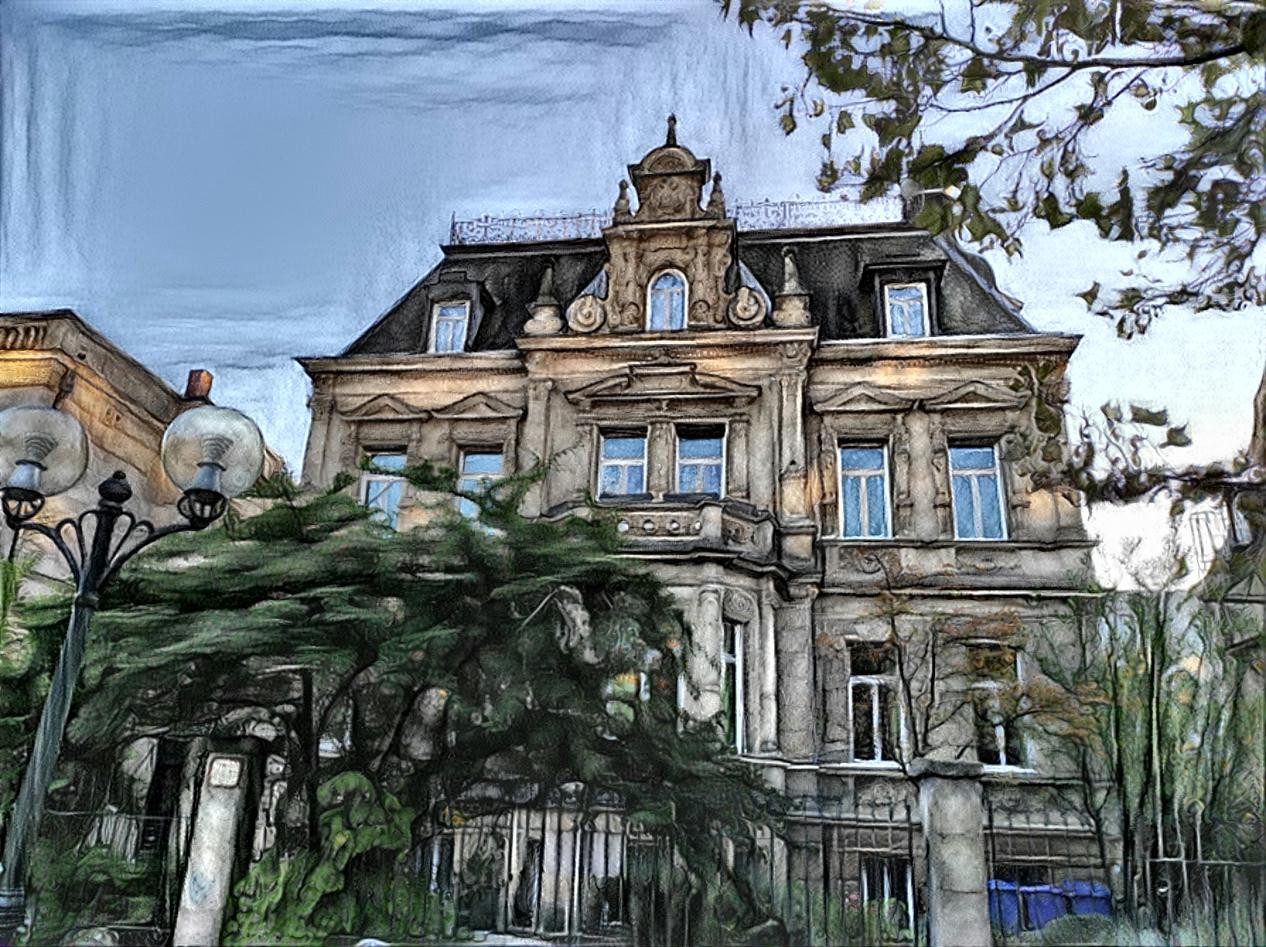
(786, 414)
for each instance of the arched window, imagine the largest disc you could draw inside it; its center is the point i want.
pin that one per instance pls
(666, 309)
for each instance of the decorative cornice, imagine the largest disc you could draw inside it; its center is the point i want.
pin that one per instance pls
(660, 381)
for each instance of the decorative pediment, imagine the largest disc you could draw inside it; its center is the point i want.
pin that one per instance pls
(478, 407)
(662, 382)
(975, 396)
(864, 399)
(385, 408)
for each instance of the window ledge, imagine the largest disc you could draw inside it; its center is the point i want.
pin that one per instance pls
(947, 543)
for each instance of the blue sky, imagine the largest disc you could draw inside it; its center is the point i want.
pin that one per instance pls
(230, 184)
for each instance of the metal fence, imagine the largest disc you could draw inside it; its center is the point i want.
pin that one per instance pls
(839, 876)
(107, 869)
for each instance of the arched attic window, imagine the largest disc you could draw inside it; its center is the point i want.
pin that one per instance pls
(666, 305)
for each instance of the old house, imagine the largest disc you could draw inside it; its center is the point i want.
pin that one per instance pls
(792, 410)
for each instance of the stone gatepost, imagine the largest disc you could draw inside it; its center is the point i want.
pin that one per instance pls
(220, 844)
(951, 805)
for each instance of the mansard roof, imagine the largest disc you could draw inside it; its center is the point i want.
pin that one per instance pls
(835, 265)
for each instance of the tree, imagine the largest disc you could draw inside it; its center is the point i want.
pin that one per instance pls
(984, 113)
(486, 662)
(993, 102)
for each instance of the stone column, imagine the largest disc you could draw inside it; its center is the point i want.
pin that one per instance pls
(736, 465)
(921, 477)
(796, 710)
(768, 741)
(218, 830)
(534, 443)
(950, 804)
(708, 641)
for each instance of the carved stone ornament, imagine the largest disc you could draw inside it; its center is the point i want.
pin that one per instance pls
(546, 312)
(670, 181)
(747, 310)
(791, 304)
(586, 314)
(739, 605)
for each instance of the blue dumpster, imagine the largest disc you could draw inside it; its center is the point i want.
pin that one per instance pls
(1088, 897)
(1042, 904)
(1004, 906)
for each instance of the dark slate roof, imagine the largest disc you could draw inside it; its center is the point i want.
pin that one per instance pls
(835, 266)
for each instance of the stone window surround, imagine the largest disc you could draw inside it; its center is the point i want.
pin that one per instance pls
(887, 428)
(661, 452)
(886, 446)
(893, 682)
(1026, 751)
(992, 443)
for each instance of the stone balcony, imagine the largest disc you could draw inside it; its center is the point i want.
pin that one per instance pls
(681, 524)
(1005, 565)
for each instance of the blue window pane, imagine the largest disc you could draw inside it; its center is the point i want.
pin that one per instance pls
(699, 447)
(387, 461)
(383, 497)
(971, 458)
(453, 312)
(712, 479)
(876, 507)
(624, 447)
(862, 458)
(990, 507)
(852, 507)
(667, 303)
(964, 509)
(688, 478)
(482, 463)
(637, 479)
(906, 316)
(467, 508)
(610, 481)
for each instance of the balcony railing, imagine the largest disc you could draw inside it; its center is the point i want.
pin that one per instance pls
(754, 215)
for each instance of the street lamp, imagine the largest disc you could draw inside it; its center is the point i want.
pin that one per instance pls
(211, 453)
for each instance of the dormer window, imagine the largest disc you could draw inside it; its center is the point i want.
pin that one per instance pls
(666, 305)
(449, 321)
(906, 310)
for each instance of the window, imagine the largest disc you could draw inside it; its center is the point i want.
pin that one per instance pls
(888, 880)
(732, 684)
(666, 308)
(870, 704)
(479, 470)
(622, 465)
(906, 309)
(448, 326)
(381, 492)
(999, 741)
(864, 492)
(700, 461)
(976, 483)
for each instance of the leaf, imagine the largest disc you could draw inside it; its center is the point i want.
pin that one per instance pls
(1143, 415)
(1177, 437)
(1090, 295)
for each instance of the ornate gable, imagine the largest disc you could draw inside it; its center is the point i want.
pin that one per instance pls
(663, 383)
(975, 396)
(478, 407)
(383, 408)
(863, 399)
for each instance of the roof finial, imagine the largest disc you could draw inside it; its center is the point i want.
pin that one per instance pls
(790, 275)
(671, 139)
(621, 212)
(716, 201)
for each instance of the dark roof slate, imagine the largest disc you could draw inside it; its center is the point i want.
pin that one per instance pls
(835, 267)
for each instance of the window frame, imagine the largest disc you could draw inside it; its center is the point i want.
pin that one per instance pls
(975, 473)
(734, 659)
(436, 308)
(987, 690)
(886, 863)
(925, 291)
(487, 479)
(685, 299)
(724, 433)
(623, 432)
(369, 478)
(882, 446)
(889, 681)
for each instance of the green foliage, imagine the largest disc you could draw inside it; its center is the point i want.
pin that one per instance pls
(1006, 94)
(464, 655)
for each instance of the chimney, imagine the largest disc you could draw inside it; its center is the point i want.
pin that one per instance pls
(198, 387)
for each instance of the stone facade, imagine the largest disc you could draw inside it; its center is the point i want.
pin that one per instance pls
(786, 352)
(54, 357)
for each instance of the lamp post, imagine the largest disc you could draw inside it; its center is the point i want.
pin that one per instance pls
(210, 453)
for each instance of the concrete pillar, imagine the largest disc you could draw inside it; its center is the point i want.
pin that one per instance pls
(768, 741)
(950, 803)
(709, 637)
(534, 446)
(921, 484)
(219, 824)
(796, 706)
